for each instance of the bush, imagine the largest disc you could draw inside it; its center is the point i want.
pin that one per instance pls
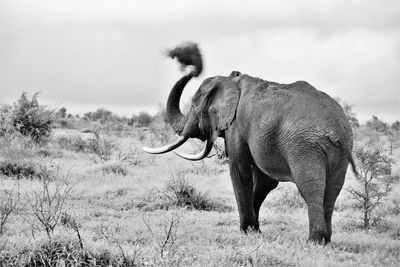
(74, 143)
(9, 198)
(63, 253)
(18, 170)
(22, 158)
(375, 180)
(46, 204)
(6, 125)
(115, 168)
(178, 192)
(378, 125)
(102, 115)
(31, 119)
(143, 119)
(101, 146)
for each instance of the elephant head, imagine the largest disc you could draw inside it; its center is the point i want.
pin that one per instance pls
(213, 106)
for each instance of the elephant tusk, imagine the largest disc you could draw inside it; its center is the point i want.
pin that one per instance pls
(204, 153)
(166, 148)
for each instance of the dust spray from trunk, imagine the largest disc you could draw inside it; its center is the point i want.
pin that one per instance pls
(188, 54)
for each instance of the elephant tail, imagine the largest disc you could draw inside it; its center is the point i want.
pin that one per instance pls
(347, 153)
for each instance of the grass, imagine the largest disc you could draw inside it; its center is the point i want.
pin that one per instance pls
(124, 218)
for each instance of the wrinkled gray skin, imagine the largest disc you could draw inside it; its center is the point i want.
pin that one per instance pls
(273, 133)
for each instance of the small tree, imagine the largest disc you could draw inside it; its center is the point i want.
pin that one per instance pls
(396, 126)
(32, 119)
(62, 113)
(102, 146)
(375, 179)
(378, 125)
(143, 119)
(46, 204)
(8, 204)
(101, 115)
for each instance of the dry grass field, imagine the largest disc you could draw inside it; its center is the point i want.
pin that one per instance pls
(139, 209)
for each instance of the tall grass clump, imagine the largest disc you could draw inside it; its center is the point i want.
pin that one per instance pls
(20, 157)
(179, 192)
(63, 253)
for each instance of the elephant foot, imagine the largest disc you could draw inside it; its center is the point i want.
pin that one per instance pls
(250, 228)
(319, 237)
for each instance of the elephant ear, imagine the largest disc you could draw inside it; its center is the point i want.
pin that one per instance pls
(219, 107)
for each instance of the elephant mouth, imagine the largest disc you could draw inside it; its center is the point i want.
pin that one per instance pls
(170, 147)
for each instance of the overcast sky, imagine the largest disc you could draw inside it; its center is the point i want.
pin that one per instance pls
(85, 54)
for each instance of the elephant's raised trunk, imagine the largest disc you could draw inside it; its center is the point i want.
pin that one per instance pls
(174, 114)
(186, 54)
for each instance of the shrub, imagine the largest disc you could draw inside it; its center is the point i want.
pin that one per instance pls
(114, 168)
(6, 124)
(131, 157)
(22, 158)
(8, 204)
(143, 119)
(19, 170)
(375, 180)
(74, 143)
(187, 195)
(69, 222)
(178, 192)
(31, 119)
(378, 125)
(63, 253)
(46, 205)
(166, 242)
(102, 115)
(395, 126)
(101, 146)
(66, 123)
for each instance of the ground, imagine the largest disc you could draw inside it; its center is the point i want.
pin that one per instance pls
(117, 212)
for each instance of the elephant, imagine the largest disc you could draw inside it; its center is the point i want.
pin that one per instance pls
(273, 133)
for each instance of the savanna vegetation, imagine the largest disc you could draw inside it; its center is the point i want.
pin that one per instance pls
(79, 191)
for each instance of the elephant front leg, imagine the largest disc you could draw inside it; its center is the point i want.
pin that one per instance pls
(242, 182)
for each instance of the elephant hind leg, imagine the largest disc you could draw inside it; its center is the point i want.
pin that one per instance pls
(334, 184)
(310, 179)
(263, 184)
